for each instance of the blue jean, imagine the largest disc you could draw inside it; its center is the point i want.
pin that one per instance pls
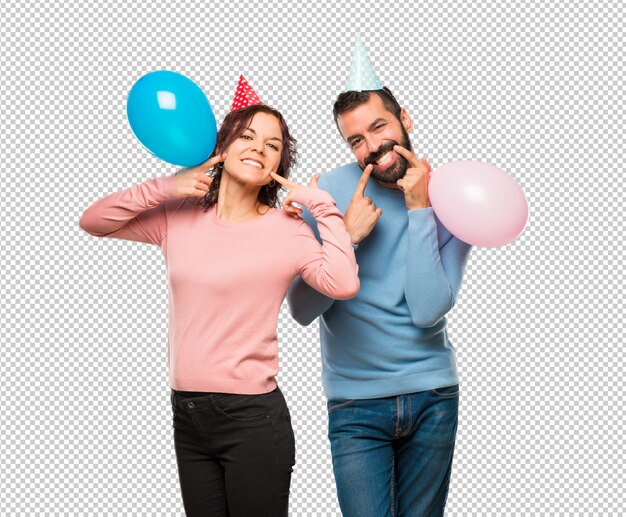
(393, 456)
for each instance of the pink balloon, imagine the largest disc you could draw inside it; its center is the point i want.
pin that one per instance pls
(478, 203)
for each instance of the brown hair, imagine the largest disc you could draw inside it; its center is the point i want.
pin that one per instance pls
(347, 101)
(234, 124)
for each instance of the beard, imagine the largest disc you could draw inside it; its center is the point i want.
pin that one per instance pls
(398, 169)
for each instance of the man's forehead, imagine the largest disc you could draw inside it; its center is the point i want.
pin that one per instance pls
(363, 116)
(373, 108)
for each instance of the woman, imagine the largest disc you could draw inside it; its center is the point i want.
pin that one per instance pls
(231, 255)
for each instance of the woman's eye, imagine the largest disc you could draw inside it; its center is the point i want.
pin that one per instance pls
(246, 137)
(273, 146)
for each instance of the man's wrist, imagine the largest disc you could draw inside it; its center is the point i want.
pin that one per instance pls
(418, 207)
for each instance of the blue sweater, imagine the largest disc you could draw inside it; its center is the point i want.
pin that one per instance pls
(391, 338)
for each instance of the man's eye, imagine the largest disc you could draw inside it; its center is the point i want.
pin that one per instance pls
(355, 142)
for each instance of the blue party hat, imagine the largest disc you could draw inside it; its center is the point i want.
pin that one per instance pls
(362, 74)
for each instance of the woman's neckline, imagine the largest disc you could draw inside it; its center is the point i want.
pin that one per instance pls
(225, 222)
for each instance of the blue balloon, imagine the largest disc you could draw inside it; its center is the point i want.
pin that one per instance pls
(172, 118)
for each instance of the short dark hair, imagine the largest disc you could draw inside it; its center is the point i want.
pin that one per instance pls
(234, 124)
(347, 101)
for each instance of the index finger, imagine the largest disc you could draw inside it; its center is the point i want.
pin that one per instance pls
(283, 181)
(426, 163)
(313, 182)
(360, 187)
(410, 156)
(212, 162)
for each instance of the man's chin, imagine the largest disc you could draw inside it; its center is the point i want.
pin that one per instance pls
(390, 175)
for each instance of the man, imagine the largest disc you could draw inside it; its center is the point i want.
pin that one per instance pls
(389, 370)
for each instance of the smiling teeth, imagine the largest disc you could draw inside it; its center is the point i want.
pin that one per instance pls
(384, 159)
(253, 163)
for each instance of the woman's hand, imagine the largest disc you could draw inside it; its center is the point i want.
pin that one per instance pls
(194, 182)
(291, 187)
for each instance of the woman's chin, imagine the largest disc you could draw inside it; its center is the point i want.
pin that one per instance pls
(252, 180)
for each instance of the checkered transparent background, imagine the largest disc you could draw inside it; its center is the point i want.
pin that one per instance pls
(536, 89)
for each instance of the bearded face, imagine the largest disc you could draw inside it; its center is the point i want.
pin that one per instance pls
(371, 131)
(389, 166)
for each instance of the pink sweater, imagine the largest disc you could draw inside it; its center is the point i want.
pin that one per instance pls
(227, 280)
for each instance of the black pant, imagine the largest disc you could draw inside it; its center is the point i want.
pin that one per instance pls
(235, 453)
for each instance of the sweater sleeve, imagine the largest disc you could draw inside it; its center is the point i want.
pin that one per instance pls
(136, 214)
(329, 268)
(305, 303)
(434, 270)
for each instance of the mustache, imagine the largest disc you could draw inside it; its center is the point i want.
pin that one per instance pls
(385, 148)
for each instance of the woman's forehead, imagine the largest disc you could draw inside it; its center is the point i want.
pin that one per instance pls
(266, 123)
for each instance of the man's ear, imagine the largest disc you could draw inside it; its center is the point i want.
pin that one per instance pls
(406, 120)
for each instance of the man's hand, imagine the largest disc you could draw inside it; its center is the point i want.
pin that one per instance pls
(415, 181)
(194, 182)
(361, 215)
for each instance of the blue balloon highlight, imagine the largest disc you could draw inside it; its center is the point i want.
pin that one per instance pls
(172, 118)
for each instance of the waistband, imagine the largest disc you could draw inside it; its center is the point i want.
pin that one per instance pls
(180, 399)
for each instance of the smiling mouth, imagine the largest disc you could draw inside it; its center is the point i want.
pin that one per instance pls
(254, 163)
(385, 159)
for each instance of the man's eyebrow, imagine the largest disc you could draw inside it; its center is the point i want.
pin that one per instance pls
(273, 138)
(369, 128)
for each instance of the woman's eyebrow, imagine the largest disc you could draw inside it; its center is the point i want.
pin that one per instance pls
(272, 138)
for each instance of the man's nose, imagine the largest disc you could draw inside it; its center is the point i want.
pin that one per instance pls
(373, 144)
